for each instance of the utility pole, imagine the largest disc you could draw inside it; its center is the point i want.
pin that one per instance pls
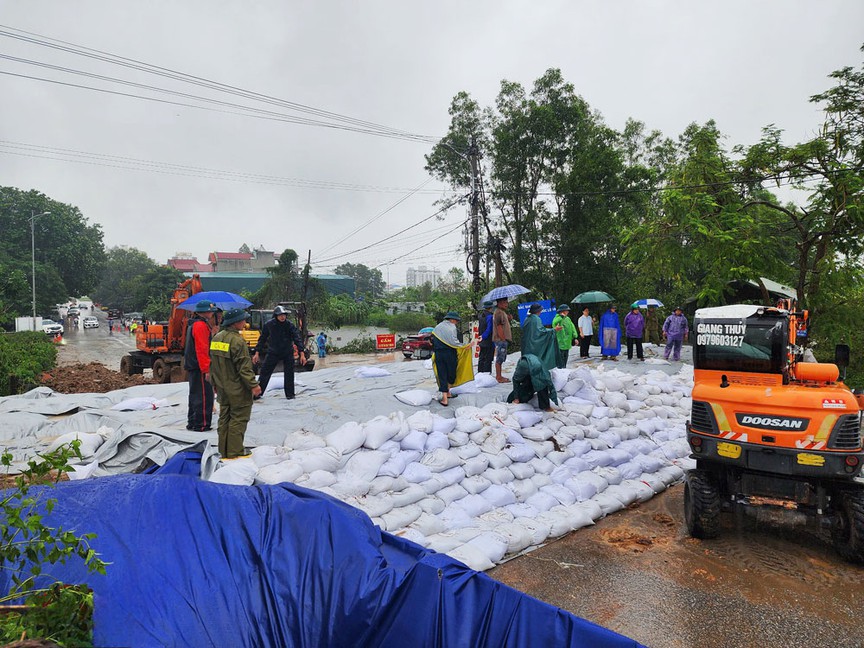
(474, 159)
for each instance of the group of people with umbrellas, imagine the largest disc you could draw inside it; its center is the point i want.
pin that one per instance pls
(545, 348)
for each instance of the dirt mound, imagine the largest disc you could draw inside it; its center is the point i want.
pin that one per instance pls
(89, 378)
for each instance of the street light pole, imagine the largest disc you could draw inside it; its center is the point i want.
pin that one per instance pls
(33, 217)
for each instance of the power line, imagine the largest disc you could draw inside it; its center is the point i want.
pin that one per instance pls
(169, 168)
(462, 224)
(107, 57)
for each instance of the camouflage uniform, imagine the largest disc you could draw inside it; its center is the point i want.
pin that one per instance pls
(652, 327)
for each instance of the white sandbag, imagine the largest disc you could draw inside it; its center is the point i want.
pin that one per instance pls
(608, 503)
(422, 421)
(600, 412)
(528, 418)
(540, 480)
(412, 535)
(447, 541)
(522, 510)
(617, 456)
(375, 505)
(443, 425)
(498, 460)
(562, 494)
(520, 453)
(414, 440)
(468, 425)
(476, 484)
(452, 475)
(670, 474)
(266, 455)
(485, 380)
(431, 505)
(610, 438)
(522, 470)
(433, 485)
(648, 463)
(401, 517)
(643, 491)
(317, 479)
(83, 471)
(454, 517)
(558, 521)
(472, 557)
(476, 465)
(499, 475)
(522, 489)
(349, 486)
(326, 458)
(596, 458)
(416, 472)
(469, 387)
(494, 443)
(581, 515)
(656, 484)
(90, 442)
(629, 470)
(579, 447)
(474, 505)
(542, 465)
(411, 495)
(365, 465)
(517, 536)
(467, 451)
(492, 544)
(542, 501)
(582, 489)
(451, 493)
(513, 436)
(537, 433)
(458, 439)
(598, 444)
(237, 472)
(538, 530)
(559, 378)
(370, 372)
(626, 494)
(415, 397)
(440, 459)
(280, 473)
(496, 410)
(379, 430)
(499, 495)
(428, 524)
(396, 464)
(347, 437)
(139, 403)
(303, 440)
(436, 440)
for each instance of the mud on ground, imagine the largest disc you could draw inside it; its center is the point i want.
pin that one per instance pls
(92, 377)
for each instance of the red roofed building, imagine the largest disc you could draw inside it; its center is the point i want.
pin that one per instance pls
(231, 261)
(185, 263)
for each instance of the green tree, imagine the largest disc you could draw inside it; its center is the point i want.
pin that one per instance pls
(284, 284)
(368, 281)
(124, 268)
(69, 252)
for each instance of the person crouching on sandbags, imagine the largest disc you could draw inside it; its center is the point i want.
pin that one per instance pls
(451, 361)
(529, 378)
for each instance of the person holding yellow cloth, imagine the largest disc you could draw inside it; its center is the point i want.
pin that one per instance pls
(451, 361)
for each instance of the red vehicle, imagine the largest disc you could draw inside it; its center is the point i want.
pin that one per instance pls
(418, 346)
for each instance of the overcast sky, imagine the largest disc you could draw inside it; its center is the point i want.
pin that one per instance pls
(396, 63)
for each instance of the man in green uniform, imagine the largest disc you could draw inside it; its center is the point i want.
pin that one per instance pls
(565, 331)
(234, 380)
(652, 326)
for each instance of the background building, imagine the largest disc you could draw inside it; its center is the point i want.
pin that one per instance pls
(421, 275)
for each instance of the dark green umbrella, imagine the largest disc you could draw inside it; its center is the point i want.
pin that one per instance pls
(593, 297)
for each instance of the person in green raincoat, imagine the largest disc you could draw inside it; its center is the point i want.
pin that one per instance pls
(566, 334)
(451, 360)
(537, 340)
(529, 378)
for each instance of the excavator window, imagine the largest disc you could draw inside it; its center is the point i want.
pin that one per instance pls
(755, 345)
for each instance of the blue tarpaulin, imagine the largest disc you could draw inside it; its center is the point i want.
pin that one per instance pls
(194, 563)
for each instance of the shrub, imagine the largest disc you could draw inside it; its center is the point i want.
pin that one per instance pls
(24, 357)
(410, 322)
(359, 345)
(59, 612)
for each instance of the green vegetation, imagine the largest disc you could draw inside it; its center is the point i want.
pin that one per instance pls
(23, 358)
(132, 281)
(57, 612)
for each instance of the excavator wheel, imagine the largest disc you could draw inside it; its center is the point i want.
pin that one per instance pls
(161, 371)
(702, 504)
(848, 535)
(126, 365)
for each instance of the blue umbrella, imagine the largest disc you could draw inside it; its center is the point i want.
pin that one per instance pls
(426, 329)
(645, 303)
(223, 299)
(510, 290)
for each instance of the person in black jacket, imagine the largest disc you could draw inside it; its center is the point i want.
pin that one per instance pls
(484, 330)
(279, 336)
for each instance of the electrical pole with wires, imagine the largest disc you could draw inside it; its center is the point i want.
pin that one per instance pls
(474, 247)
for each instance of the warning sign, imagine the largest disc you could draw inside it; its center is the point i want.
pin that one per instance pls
(386, 341)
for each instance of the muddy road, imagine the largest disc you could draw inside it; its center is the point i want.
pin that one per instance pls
(637, 572)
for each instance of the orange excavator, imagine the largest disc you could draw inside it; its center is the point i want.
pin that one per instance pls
(773, 436)
(160, 345)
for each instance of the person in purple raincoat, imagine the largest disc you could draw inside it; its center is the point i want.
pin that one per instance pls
(634, 328)
(675, 332)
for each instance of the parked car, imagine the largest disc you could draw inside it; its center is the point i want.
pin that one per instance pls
(51, 327)
(418, 346)
(90, 322)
